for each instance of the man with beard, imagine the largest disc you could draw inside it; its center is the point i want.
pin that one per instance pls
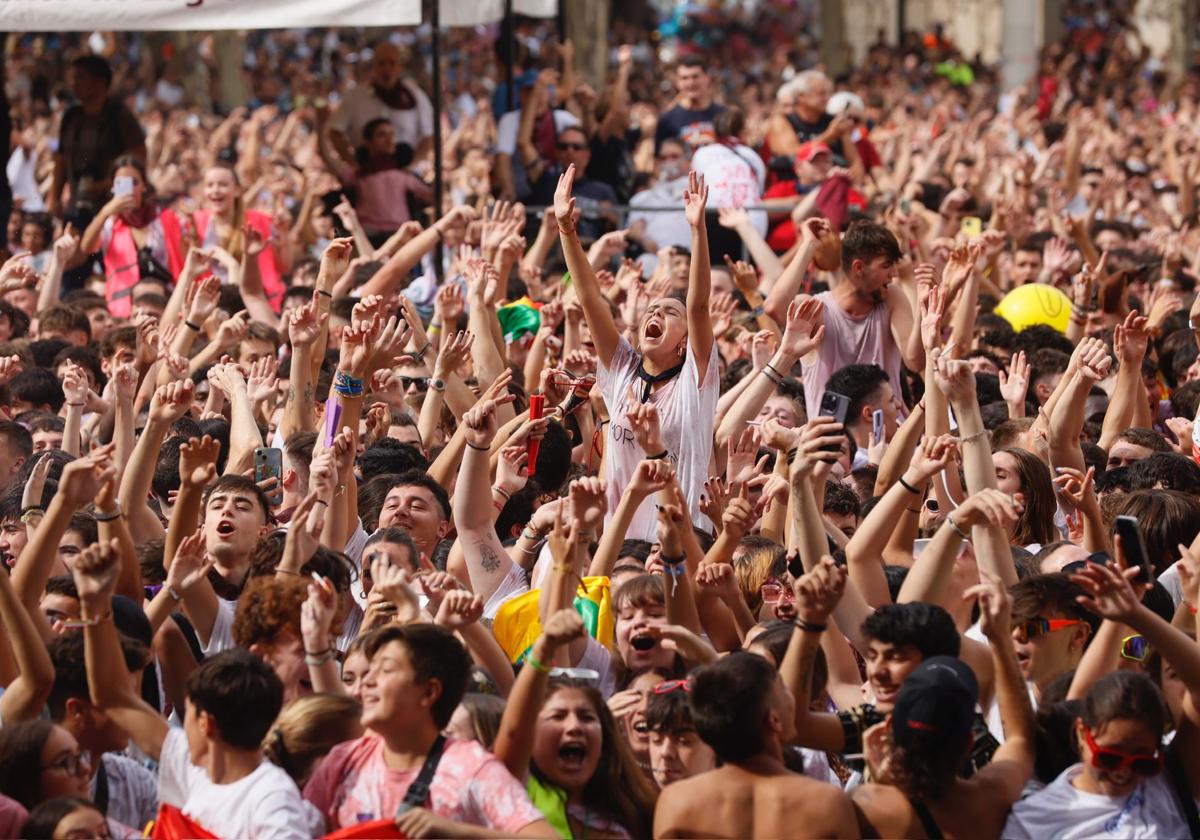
(865, 321)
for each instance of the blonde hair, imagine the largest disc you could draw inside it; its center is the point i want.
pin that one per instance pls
(308, 728)
(237, 237)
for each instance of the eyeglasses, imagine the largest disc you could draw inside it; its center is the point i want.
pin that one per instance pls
(1135, 648)
(773, 593)
(1038, 626)
(73, 764)
(574, 147)
(673, 685)
(421, 382)
(1106, 758)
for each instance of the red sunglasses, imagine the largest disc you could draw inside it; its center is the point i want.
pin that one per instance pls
(1106, 758)
(773, 593)
(673, 685)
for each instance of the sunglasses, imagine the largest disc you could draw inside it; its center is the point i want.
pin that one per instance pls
(574, 147)
(1038, 626)
(422, 382)
(773, 593)
(1135, 648)
(673, 685)
(1106, 758)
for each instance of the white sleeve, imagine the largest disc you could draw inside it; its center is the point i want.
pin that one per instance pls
(506, 133)
(176, 773)
(282, 816)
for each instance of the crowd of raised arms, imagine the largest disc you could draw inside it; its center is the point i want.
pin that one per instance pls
(736, 452)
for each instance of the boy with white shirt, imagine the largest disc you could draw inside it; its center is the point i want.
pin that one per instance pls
(213, 770)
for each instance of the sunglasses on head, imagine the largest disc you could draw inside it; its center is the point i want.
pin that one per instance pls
(574, 147)
(673, 685)
(1038, 626)
(1106, 758)
(773, 593)
(1135, 648)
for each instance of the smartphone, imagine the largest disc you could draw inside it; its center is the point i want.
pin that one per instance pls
(268, 463)
(834, 405)
(971, 226)
(1135, 547)
(877, 424)
(123, 185)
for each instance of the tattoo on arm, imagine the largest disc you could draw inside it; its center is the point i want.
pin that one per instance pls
(488, 558)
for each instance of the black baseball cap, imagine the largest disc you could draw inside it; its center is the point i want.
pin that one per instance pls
(936, 702)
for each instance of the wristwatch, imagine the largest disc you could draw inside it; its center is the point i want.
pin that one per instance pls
(437, 384)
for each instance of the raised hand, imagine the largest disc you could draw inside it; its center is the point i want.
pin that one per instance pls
(1076, 489)
(720, 580)
(589, 501)
(564, 203)
(818, 591)
(805, 327)
(1109, 590)
(995, 607)
(448, 305)
(562, 628)
(778, 436)
(232, 331)
(695, 199)
(647, 430)
(261, 384)
(739, 516)
(1131, 339)
(10, 366)
(953, 377)
(1014, 384)
(933, 310)
(649, 477)
(125, 382)
(820, 442)
(198, 461)
(479, 423)
(171, 401)
(988, 507)
(74, 385)
(336, 258)
(512, 472)
(305, 323)
(316, 617)
(930, 458)
(459, 608)
(82, 478)
(96, 570)
(204, 299)
(190, 563)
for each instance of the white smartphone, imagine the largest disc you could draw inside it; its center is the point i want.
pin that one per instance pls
(877, 424)
(123, 185)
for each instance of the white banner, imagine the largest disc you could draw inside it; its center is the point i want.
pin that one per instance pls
(143, 15)
(481, 12)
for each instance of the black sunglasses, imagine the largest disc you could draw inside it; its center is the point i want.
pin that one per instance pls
(575, 147)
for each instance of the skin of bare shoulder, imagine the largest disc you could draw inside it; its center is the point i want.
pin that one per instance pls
(732, 803)
(884, 811)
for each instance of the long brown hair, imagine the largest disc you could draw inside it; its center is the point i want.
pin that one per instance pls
(21, 760)
(237, 238)
(618, 788)
(1036, 522)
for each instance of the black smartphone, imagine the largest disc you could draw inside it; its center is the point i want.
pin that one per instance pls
(1134, 546)
(834, 405)
(837, 406)
(794, 566)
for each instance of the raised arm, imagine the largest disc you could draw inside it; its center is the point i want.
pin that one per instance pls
(595, 306)
(169, 404)
(864, 552)
(700, 330)
(817, 593)
(1128, 406)
(487, 561)
(955, 380)
(803, 334)
(24, 697)
(1012, 765)
(109, 685)
(787, 286)
(514, 739)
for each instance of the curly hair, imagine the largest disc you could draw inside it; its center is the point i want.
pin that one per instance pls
(267, 609)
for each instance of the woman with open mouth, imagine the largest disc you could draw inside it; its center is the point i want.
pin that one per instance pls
(673, 367)
(558, 735)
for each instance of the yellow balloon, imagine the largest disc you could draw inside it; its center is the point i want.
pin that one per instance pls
(1035, 303)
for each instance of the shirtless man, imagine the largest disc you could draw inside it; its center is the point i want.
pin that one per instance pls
(742, 709)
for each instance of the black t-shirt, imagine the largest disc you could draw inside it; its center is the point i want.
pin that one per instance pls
(805, 130)
(692, 127)
(89, 144)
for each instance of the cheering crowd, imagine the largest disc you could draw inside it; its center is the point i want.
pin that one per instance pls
(735, 452)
